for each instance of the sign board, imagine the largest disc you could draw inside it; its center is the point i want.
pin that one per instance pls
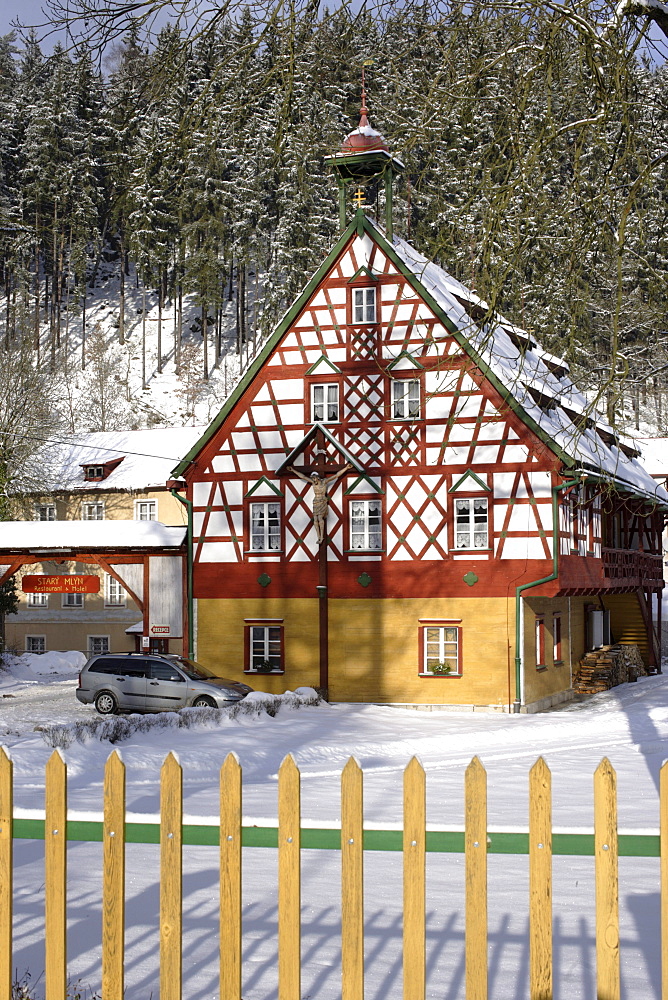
(159, 630)
(145, 642)
(72, 583)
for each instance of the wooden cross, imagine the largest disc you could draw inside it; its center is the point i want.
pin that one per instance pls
(322, 464)
(358, 198)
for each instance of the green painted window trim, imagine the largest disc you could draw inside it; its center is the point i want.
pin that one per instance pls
(470, 474)
(330, 364)
(271, 486)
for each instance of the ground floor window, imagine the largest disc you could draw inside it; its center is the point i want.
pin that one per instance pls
(98, 644)
(441, 650)
(557, 656)
(264, 648)
(35, 644)
(540, 641)
(37, 600)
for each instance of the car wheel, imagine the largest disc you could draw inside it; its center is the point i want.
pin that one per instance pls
(203, 702)
(105, 703)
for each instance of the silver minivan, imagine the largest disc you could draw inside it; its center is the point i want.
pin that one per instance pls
(153, 682)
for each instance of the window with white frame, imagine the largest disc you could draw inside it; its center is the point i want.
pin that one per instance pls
(364, 305)
(94, 472)
(405, 399)
(265, 648)
(366, 524)
(37, 600)
(145, 510)
(98, 644)
(45, 512)
(73, 601)
(441, 651)
(114, 594)
(265, 534)
(35, 644)
(92, 512)
(471, 523)
(325, 402)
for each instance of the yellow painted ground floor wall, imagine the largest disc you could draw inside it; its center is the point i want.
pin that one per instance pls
(543, 680)
(374, 647)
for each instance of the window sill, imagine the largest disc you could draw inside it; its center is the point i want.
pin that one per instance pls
(440, 677)
(540, 667)
(471, 552)
(558, 663)
(263, 552)
(362, 552)
(263, 673)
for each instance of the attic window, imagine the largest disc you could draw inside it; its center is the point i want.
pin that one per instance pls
(546, 403)
(581, 420)
(94, 472)
(558, 368)
(607, 437)
(628, 450)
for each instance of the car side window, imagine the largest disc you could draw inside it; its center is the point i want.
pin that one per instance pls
(164, 672)
(136, 668)
(103, 666)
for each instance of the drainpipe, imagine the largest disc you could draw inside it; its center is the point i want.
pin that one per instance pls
(188, 504)
(536, 583)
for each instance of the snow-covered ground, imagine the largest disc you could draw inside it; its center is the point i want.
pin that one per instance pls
(629, 725)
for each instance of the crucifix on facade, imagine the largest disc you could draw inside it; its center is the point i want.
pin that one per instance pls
(319, 474)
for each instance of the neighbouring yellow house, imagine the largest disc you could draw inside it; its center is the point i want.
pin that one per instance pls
(104, 493)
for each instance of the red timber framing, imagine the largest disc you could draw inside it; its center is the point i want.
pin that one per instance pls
(467, 439)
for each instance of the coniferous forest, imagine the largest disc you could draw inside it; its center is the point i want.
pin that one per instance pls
(189, 165)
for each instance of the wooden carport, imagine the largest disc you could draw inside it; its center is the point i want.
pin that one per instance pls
(147, 558)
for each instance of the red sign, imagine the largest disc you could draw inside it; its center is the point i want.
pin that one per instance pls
(73, 583)
(159, 630)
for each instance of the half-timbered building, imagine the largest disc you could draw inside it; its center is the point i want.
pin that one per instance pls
(483, 525)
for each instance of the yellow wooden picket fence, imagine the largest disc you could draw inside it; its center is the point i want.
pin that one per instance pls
(540, 843)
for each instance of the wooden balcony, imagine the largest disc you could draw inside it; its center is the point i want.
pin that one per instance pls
(627, 568)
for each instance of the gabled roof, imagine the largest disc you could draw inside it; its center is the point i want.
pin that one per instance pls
(533, 383)
(143, 459)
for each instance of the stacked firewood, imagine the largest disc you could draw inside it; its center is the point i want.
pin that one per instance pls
(607, 667)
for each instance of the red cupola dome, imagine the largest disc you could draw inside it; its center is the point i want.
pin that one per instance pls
(364, 138)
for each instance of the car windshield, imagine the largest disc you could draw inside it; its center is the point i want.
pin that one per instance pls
(195, 671)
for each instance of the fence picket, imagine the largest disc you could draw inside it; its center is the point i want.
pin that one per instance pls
(475, 848)
(540, 881)
(607, 890)
(414, 842)
(352, 882)
(230, 879)
(6, 871)
(55, 862)
(171, 819)
(663, 809)
(113, 888)
(289, 881)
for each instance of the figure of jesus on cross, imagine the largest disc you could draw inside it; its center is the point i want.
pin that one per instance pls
(320, 499)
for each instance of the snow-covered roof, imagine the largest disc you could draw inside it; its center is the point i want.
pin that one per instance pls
(655, 455)
(148, 456)
(553, 403)
(53, 535)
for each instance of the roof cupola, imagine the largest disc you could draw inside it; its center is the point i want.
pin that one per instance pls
(364, 160)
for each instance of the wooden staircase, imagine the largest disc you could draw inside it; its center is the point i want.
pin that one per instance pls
(630, 626)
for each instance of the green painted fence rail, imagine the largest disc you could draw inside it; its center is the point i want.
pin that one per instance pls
(631, 845)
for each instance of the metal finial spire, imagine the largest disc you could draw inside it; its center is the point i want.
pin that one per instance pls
(364, 111)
